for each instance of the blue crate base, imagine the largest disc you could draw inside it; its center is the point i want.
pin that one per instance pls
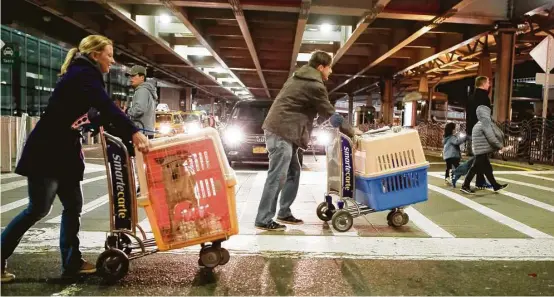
(393, 190)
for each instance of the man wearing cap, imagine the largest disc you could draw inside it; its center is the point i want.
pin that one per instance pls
(143, 108)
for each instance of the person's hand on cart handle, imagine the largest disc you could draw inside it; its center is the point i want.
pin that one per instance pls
(141, 142)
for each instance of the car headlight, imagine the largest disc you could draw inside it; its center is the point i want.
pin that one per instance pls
(165, 129)
(323, 138)
(233, 135)
(192, 128)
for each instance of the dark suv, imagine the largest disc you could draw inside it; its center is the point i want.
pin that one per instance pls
(243, 136)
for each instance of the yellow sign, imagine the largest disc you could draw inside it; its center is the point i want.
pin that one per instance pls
(259, 150)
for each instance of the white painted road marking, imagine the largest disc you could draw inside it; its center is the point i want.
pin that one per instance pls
(23, 182)
(518, 226)
(388, 248)
(525, 184)
(426, 225)
(537, 176)
(24, 201)
(86, 208)
(519, 197)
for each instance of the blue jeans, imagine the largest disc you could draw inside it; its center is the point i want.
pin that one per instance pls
(42, 192)
(283, 174)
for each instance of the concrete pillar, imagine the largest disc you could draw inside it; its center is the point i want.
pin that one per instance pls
(485, 69)
(387, 103)
(502, 110)
(350, 109)
(188, 98)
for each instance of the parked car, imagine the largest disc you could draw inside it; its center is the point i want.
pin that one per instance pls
(243, 136)
(193, 121)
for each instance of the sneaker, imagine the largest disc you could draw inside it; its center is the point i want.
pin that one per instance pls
(467, 190)
(7, 277)
(87, 268)
(273, 226)
(291, 220)
(484, 186)
(447, 182)
(455, 179)
(500, 187)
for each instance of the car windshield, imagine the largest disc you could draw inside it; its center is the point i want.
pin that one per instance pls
(163, 118)
(256, 113)
(189, 117)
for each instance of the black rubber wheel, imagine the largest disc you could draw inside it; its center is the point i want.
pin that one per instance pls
(406, 218)
(390, 214)
(210, 256)
(225, 256)
(396, 219)
(342, 221)
(112, 265)
(325, 212)
(123, 242)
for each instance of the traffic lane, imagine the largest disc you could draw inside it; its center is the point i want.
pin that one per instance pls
(170, 274)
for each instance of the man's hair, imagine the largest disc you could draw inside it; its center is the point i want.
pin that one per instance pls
(320, 58)
(480, 81)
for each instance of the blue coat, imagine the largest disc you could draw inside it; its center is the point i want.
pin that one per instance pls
(451, 146)
(53, 149)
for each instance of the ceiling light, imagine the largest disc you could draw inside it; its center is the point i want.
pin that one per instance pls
(165, 19)
(326, 28)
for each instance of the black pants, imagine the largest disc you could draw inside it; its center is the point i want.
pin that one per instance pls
(482, 166)
(451, 163)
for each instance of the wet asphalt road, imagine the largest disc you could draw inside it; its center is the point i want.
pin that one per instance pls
(171, 274)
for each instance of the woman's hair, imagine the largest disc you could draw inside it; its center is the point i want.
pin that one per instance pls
(89, 44)
(449, 129)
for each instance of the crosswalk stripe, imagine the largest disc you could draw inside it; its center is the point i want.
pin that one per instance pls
(538, 176)
(86, 208)
(145, 225)
(525, 184)
(519, 197)
(331, 247)
(518, 226)
(24, 201)
(426, 225)
(23, 182)
(8, 175)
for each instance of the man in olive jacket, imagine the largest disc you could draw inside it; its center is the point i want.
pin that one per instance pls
(287, 128)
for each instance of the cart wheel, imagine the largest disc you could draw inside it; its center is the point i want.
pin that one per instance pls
(225, 256)
(390, 214)
(112, 265)
(123, 242)
(325, 212)
(210, 256)
(406, 218)
(396, 219)
(342, 221)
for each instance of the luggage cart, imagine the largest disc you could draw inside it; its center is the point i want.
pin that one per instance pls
(126, 240)
(391, 173)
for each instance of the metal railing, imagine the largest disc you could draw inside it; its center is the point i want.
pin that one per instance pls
(531, 141)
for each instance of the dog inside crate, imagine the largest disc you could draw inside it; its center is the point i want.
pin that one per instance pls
(179, 184)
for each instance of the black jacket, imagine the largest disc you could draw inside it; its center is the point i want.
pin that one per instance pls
(53, 149)
(479, 97)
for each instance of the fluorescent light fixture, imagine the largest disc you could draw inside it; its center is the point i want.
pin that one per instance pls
(305, 57)
(214, 70)
(326, 27)
(226, 79)
(165, 19)
(184, 51)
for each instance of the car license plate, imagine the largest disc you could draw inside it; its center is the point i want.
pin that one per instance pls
(259, 150)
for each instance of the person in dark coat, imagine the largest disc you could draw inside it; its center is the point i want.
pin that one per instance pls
(287, 128)
(52, 159)
(479, 97)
